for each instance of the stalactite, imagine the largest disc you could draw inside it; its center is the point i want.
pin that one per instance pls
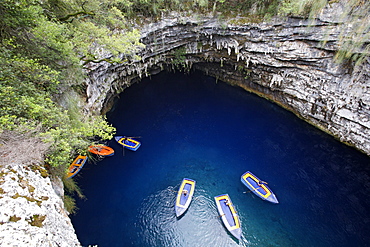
(284, 61)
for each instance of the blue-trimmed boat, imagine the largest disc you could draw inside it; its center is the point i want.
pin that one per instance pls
(184, 196)
(258, 187)
(228, 215)
(76, 166)
(128, 142)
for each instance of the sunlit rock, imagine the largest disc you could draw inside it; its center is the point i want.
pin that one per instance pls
(32, 210)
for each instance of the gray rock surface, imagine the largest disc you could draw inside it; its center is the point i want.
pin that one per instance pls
(32, 213)
(284, 60)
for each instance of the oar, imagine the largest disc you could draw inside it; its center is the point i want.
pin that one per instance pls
(220, 216)
(131, 137)
(259, 186)
(252, 190)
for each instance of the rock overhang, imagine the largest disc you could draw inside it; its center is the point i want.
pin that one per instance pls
(285, 61)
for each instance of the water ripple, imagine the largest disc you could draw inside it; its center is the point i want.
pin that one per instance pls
(199, 227)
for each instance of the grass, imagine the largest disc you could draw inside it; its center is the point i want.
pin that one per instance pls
(71, 188)
(70, 204)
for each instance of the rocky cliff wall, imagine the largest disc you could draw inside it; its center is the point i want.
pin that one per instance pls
(283, 60)
(32, 211)
(32, 214)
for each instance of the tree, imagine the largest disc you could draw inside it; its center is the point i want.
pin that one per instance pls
(43, 43)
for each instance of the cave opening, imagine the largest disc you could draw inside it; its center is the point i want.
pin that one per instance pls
(194, 126)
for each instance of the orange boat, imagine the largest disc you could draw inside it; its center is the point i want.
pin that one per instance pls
(76, 166)
(101, 150)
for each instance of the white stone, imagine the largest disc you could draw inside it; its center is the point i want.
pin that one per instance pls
(27, 194)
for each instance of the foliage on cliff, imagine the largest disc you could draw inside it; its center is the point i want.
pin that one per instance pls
(45, 45)
(42, 46)
(355, 35)
(353, 41)
(26, 95)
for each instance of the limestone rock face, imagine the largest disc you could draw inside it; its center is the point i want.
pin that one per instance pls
(32, 211)
(284, 60)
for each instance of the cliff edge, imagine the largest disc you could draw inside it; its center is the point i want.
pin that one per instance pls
(31, 201)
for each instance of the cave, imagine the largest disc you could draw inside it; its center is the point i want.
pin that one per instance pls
(283, 61)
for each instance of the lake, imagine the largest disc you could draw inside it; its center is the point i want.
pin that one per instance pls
(192, 126)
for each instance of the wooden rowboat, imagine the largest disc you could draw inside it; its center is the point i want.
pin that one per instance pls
(258, 187)
(76, 166)
(101, 150)
(228, 215)
(184, 196)
(128, 142)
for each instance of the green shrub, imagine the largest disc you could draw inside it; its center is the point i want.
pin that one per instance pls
(26, 104)
(70, 204)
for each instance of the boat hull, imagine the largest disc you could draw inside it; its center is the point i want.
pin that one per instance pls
(228, 215)
(128, 143)
(101, 150)
(76, 166)
(261, 190)
(183, 200)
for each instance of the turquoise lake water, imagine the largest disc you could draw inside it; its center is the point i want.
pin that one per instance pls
(192, 126)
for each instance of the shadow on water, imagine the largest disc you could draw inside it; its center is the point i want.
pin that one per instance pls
(191, 126)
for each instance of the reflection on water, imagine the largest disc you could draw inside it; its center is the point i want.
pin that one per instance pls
(193, 127)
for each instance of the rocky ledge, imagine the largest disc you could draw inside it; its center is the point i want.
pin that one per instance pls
(32, 211)
(284, 60)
